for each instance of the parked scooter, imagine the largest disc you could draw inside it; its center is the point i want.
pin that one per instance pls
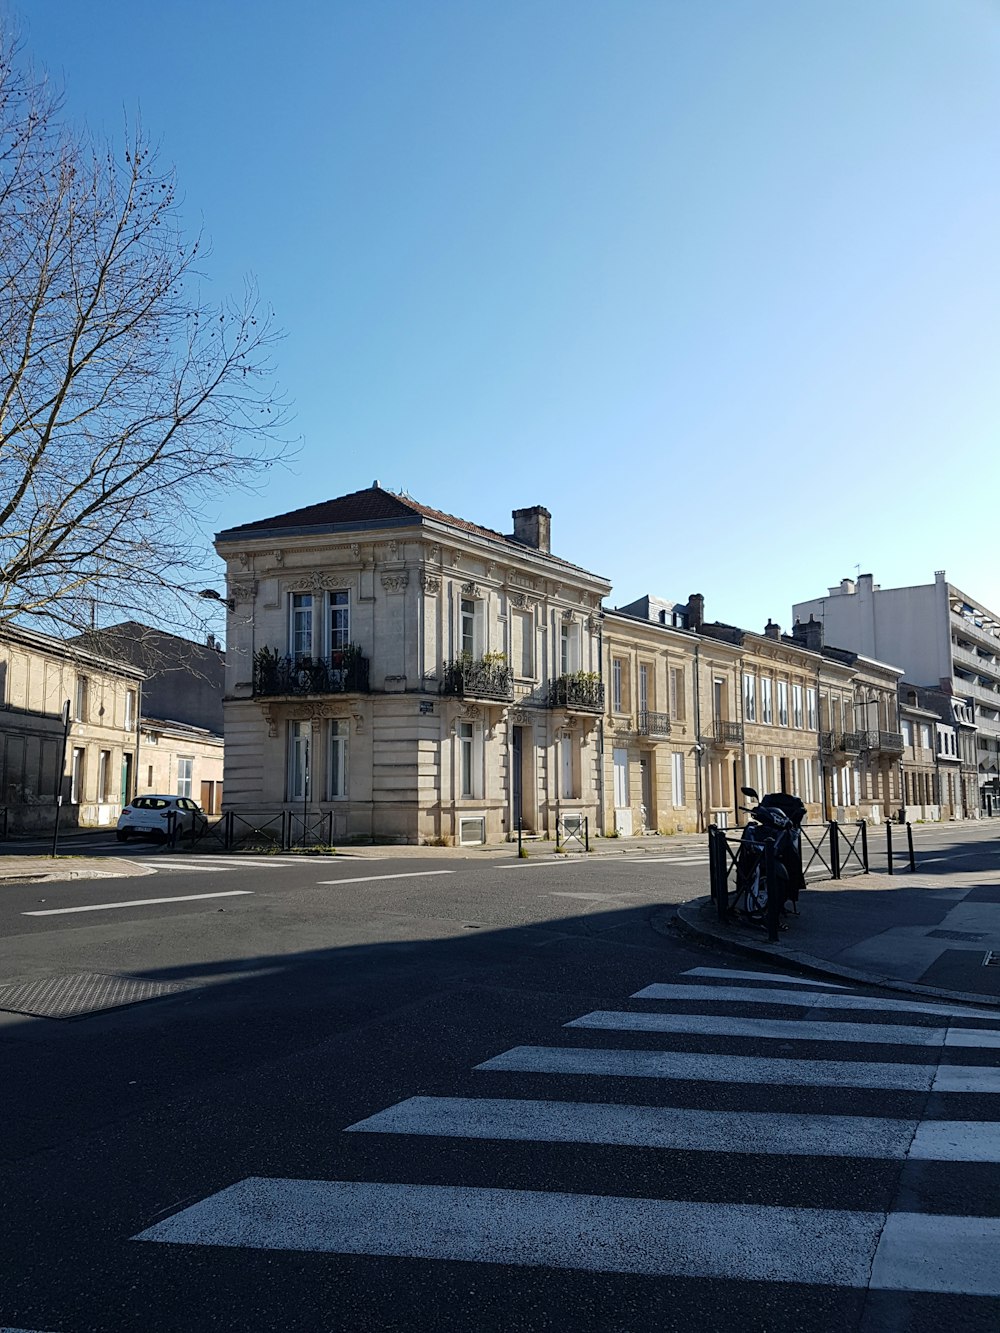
(776, 816)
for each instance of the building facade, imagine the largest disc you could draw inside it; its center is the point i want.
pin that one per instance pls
(417, 677)
(943, 638)
(91, 763)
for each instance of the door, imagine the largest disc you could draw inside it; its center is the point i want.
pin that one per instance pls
(126, 778)
(515, 774)
(646, 780)
(208, 797)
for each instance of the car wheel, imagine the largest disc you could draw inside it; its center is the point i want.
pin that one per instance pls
(122, 834)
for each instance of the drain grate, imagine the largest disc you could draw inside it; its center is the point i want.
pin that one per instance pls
(84, 993)
(992, 959)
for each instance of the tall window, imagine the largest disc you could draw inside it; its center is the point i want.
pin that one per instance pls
(749, 696)
(569, 647)
(129, 710)
(468, 627)
(185, 775)
(619, 758)
(80, 700)
(643, 688)
(782, 703)
(719, 698)
(617, 684)
(811, 709)
(466, 759)
(340, 621)
(337, 773)
(797, 706)
(302, 625)
(678, 779)
(298, 760)
(76, 777)
(104, 775)
(522, 655)
(567, 769)
(677, 693)
(766, 711)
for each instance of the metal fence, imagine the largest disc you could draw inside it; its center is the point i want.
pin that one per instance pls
(573, 833)
(826, 851)
(247, 830)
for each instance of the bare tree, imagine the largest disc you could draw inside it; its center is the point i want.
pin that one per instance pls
(126, 403)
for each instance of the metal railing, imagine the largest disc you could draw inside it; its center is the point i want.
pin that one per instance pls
(653, 724)
(726, 733)
(578, 693)
(267, 830)
(573, 831)
(480, 679)
(344, 672)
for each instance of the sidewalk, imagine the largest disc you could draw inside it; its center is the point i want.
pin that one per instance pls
(926, 932)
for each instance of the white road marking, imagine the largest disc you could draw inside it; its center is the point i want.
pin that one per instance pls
(674, 861)
(926, 1252)
(809, 999)
(541, 865)
(590, 897)
(957, 1141)
(187, 866)
(599, 1233)
(718, 1025)
(137, 902)
(367, 879)
(743, 1069)
(684, 1130)
(731, 974)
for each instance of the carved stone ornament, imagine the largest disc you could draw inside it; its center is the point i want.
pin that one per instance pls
(270, 719)
(491, 569)
(356, 550)
(520, 717)
(520, 601)
(316, 581)
(471, 590)
(359, 721)
(244, 559)
(593, 624)
(430, 583)
(395, 580)
(243, 590)
(393, 549)
(471, 713)
(278, 557)
(569, 617)
(435, 553)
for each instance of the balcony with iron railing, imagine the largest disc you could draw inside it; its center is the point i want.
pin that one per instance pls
(578, 692)
(853, 742)
(345, 671)
(487, 678)
(883, 742)
(726, 735)
(653, 724)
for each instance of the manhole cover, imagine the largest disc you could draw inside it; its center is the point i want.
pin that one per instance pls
(84, 993)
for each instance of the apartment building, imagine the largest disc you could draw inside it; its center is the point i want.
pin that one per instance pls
(696, 710)
(418, 677)
(942, 637)
(91, 762)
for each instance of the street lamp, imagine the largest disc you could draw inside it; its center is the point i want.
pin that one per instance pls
(211, 595)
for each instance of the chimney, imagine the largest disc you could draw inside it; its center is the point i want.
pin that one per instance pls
(695, 611)
(533, 527)
(772, 630)
(809, 635)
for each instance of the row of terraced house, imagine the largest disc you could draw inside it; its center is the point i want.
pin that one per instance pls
(412, 676)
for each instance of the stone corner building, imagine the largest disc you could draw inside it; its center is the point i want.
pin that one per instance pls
(413, 676)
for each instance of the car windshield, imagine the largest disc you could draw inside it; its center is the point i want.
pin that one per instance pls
(150, 803)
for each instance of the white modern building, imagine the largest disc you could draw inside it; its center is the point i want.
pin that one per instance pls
(942, 637)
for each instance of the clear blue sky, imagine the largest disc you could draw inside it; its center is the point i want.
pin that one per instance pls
(716, 281)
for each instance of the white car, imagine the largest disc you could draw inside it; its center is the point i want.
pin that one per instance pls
(148, 816)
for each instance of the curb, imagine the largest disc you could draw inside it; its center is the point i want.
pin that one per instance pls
(686, 919)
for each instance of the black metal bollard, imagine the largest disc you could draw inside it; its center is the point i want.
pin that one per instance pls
(909, 841)
(775, 901)
(888, 843)
(864, 844)
(586, 834)
(834, 849)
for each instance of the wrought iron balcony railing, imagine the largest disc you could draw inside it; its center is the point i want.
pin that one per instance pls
(482, 679)
(827, 742)
(653, 724)
(889, 742)
(726, 734)
(343, 672)
(579, 693)
(852, 742)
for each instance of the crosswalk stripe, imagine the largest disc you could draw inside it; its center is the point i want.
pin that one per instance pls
(808, 999)
(714, 1025)
(187, 865)
(674, 861)
(137, 902)
(730, 974)
(678, 1065)
(685, 1130)
(598, 1233)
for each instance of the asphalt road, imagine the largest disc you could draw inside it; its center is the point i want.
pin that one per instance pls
(568, 1183)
